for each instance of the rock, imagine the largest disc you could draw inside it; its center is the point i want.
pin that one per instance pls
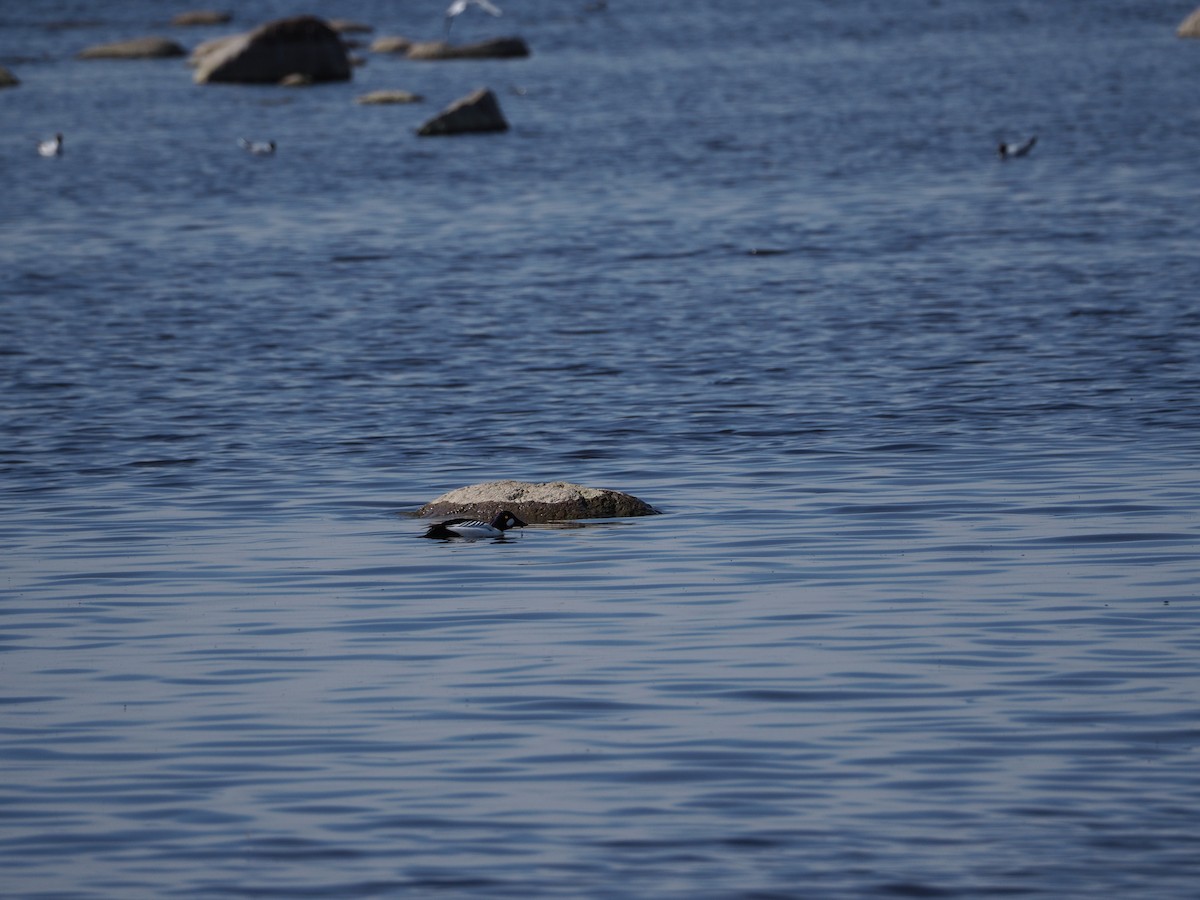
(476, 112)
(495, 48)
(8, 79)
(346, 26)
(389, 97)
(296, 79)
(302, 45)
(547, 502)
(1190, 27)
(204, 48)
(202, 17)
(390, 44)
(137, 48)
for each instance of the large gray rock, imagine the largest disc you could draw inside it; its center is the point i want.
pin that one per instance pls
(479, 111)
(1190, 27)
(494, 48)
(302, 45)
(546, 502)
(136, 48)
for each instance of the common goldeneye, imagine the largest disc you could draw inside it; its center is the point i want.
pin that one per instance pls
(473, 528)
(52, 147)
(257, 148)
(1011, 151)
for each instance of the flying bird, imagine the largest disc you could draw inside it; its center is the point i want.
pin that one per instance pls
(458, 7)
(52, 147)
(257, 148)
(1012, 151)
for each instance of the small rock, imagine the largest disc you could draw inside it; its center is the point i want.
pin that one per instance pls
(296, 79)
(347, 26)
(495, 48)
(8, 79)
(389, 97)
(477, 112)
(303, 45)
(545, 502)
(390, 44)
(202, 17)
(136, 48)
(1190, 27)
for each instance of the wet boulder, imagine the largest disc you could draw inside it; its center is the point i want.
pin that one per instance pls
(477, 112)
(553, 501)
(494, 48)
(135, 48)
(301, 45)
(8, 79)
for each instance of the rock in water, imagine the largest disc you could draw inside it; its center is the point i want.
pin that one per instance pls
(493, 48)
(1190, 27)
(201, 17)
(302, 45)
(476, 112)
(8, 79)
(553, 501)
(137, 48)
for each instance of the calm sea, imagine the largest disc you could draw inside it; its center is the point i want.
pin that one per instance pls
(921, 617)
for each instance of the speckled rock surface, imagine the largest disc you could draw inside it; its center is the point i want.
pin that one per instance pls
(552, 501)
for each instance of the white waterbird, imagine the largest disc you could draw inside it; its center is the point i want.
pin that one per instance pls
(458, 7)
(52, 147)
(257, 148)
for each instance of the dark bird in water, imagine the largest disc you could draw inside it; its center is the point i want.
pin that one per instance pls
(474, 528)
(1012, 151)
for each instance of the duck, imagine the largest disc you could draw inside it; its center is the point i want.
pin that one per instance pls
(1012, 151)
(474, 528)
(257, 148)
(52, 147)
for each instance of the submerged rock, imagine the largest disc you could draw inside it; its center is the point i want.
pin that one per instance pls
(553, 501)
(135, 48)
(302, 45)
(389, 96)
(8, 79)
(495, 48)
(391, 43)
(202, 17)
(477, 112)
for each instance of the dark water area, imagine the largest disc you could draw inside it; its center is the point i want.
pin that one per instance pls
(920, 617)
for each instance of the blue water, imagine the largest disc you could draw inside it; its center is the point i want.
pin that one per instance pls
(921, 617)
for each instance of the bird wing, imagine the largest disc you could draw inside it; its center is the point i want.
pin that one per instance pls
(488, 7)
(456, 8)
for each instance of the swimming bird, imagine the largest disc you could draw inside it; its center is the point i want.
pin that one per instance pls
(257, 148)
(52, 147)
(473, 528)
(458, 7)
(1012, 151)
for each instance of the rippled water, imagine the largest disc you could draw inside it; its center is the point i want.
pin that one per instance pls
(920, 618)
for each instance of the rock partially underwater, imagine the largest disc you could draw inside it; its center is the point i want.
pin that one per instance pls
(552, 501)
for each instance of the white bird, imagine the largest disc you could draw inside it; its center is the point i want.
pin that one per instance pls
(52, 147)
(458, 7)
(1012, 151)
(257, 148)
